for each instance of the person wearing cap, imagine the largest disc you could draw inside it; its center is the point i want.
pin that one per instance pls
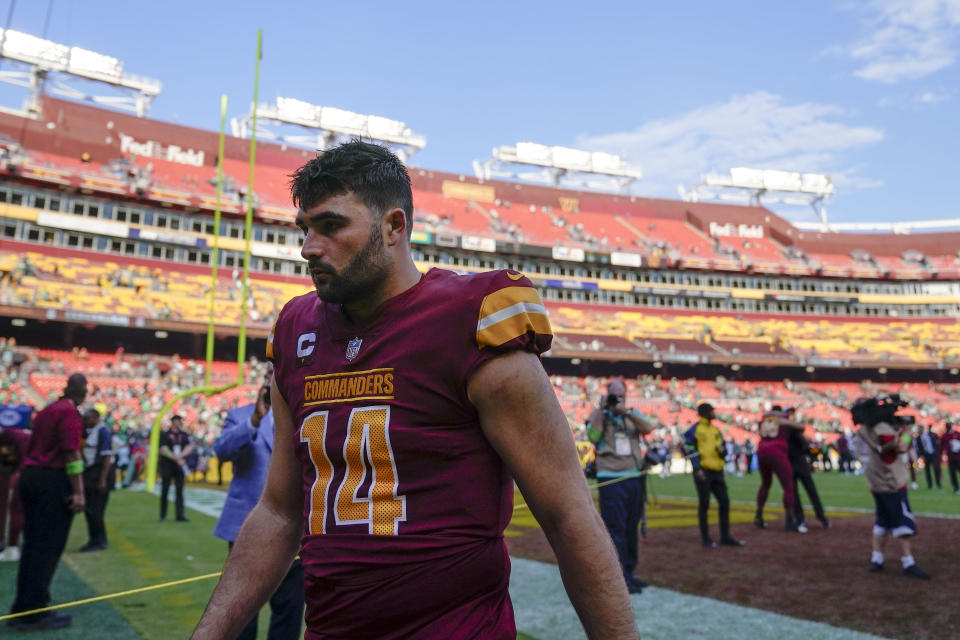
(616, 432)
(705, 448)
(51, 488)
(175, 446)
(97, 476)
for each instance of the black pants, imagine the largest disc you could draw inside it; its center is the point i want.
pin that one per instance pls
(96, 505)
(165, 477)
(714, 483)
(931, 463)
(286, 608)
(954, 467)
(807, 481)
(846, 463)
(46, 523)
(621, 508)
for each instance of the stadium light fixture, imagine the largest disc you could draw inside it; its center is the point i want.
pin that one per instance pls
(574, 361)
(328, 126)
(38, 58)
(771, 185)
(735, 367)
(559, 166)
(18, 322)
(954, 371)
(657, 365)
(882, 371)
(160, 334)
(810, 368)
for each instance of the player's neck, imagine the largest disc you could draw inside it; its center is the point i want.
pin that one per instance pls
(402, 278)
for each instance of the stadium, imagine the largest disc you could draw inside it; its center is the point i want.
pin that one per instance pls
(108, 240)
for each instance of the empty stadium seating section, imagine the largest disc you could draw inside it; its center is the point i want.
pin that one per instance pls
(136, 290)
(641, 228)
(659, 333)
(118, 287)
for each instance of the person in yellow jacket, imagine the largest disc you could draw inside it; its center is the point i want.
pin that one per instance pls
(705, 448)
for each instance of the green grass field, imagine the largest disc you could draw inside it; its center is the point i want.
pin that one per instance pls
(837, 491)
(146, 552)
(142, 552)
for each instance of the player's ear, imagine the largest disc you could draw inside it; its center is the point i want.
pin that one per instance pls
(394, 227)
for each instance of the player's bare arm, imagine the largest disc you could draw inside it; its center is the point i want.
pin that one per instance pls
(522, 420)
(267, 543)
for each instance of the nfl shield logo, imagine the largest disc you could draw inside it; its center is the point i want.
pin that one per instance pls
(353, 348)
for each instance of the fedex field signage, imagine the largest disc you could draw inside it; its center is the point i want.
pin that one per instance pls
(729, 229)
(154, 149)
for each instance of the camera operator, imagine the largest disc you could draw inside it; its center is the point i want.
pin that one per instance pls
(616, 431)
(886, 437)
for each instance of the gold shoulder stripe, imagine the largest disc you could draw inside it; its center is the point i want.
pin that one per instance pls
(507, 297)
(509, 313)
(273, 331)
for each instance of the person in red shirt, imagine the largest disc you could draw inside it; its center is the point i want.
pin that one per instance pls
(950, 446)
(14, 441)
(773, 460)
(51, 488)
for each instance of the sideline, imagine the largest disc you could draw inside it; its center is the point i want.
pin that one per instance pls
(110, 596)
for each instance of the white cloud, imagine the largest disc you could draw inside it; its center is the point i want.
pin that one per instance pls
(909, 39)
(753, 130)
(931, 97)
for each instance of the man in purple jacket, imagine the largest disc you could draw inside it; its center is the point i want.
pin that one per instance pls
(247, 442)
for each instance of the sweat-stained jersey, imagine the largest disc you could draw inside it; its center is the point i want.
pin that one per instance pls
(405, 500)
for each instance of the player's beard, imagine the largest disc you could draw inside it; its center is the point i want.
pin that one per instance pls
(363, 275)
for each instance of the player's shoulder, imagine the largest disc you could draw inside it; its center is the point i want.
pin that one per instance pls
(479, 283)
(297, 306)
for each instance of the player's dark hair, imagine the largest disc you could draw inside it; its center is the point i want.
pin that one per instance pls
(704, 410)
(370, 171)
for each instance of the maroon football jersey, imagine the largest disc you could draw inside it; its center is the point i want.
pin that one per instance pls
(405, 500)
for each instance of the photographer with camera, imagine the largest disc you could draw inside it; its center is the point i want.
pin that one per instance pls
(616, 431)
(886, 436)
(247, 442)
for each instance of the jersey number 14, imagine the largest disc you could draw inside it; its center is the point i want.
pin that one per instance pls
(368, 456)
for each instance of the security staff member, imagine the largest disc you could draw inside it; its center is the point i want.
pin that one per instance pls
(705, 448)
(51, 488)
(175, 446)
(98, 477)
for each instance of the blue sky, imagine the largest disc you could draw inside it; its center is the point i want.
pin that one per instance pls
(867, 92)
